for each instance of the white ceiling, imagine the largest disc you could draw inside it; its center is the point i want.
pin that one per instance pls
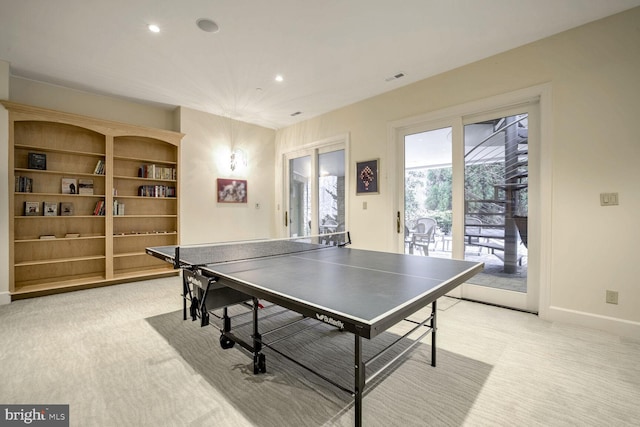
(331, 52)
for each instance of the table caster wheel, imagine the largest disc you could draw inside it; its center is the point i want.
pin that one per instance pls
(226, 342)
(260, 365)
(194, 309)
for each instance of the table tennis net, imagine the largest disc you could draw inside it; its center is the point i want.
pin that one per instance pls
(246, 250)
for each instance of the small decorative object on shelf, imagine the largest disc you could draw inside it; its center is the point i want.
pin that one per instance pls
(71, 235)
(32, 208)
(85, 186)
(99, 170)
(24, 184)
(66, 209)
(47, 237)
(50, 209)
(38, 161)
(69, 186)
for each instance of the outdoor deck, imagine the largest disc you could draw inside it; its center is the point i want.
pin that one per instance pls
(493, 274)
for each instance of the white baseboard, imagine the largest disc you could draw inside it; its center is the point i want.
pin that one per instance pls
(621, 327)
(5, 298)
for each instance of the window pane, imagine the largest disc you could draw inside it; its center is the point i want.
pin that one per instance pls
(331, 201)
(496, 200)
(428, 197)
(300, 196)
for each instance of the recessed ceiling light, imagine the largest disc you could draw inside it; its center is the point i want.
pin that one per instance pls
(279, 78)
(207, 25)
(154, 28)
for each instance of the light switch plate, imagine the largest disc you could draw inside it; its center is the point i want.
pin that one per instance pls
(608, 199)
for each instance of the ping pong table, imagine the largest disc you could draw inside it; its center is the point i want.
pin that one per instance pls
(357, 291)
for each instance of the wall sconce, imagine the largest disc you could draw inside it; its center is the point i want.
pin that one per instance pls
(238, 158)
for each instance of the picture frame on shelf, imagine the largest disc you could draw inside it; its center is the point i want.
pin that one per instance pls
(85, 186)
(50, 209)
(66, 209)
(69, 186)
(37, 161)
(367, 180)
(232, 190)
(31, 208)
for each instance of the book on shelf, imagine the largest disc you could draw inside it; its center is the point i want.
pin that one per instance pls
(118, 208)
(99, 209)
(71, 235)
(66, 209)
(99, 169)
(32, 208)
(47, 237)
(156, 191)
(37, 161)
(85, 186)
(23, 184)
(157, 172)
(69, 186)
(50, 208)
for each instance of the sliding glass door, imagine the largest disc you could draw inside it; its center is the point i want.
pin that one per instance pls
(469, 187)
(315, 185)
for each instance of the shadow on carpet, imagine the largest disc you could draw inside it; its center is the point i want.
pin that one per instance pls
(412, 392)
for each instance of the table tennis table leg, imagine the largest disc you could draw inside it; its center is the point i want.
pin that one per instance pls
(359, 380)
(259, 362)
(184, 298)
(433, 333)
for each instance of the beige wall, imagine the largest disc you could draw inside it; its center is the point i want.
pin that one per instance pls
(594, 76)
(205, 157)
(59, 98)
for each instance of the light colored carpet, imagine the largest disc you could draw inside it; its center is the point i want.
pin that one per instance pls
(123, 356)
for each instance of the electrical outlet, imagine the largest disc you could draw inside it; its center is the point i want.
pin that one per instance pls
(612, 297)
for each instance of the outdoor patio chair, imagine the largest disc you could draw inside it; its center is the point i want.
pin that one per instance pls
(424, 234)
(472, 228)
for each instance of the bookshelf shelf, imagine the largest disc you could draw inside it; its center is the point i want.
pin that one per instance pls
(55, 150)
(52, 253)
(139, 178)
(54, 172)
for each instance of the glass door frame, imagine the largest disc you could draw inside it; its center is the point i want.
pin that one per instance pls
(526, 301)
(313, 150)
(537, 296)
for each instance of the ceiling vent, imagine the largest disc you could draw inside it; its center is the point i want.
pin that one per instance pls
(296, 113)
(394, 77)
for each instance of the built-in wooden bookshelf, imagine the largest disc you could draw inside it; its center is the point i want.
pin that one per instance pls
(96, 237)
